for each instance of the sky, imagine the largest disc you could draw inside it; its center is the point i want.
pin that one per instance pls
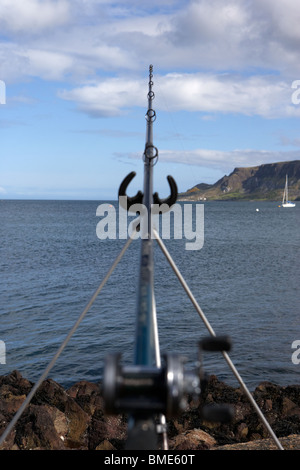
(74, 84)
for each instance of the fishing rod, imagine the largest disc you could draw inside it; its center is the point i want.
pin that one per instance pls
(153, 388)
(149, 391)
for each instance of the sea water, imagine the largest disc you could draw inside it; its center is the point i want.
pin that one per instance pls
(245, 279)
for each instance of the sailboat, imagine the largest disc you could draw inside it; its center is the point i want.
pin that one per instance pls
(285, 198)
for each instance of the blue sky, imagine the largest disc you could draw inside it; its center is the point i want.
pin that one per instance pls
(76, 78)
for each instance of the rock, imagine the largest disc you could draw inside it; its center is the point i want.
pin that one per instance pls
(36, 430)
(192, 440)
(9, 443)
(105, 445)
(242, 431)
(78, 420)
(112, 428)
(13, 391)
(88, 396)
(16, 383)
(59, 419)
(291, 442)
(289, 408)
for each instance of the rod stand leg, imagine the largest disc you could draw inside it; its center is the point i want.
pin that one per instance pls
(211, 331)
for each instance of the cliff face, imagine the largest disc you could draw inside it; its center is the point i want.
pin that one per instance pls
(260, 182)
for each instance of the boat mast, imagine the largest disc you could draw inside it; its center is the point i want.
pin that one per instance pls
(285, 191)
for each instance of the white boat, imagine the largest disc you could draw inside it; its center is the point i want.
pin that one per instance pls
(285, 198)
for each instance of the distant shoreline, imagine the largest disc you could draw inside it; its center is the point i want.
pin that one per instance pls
(260, 183)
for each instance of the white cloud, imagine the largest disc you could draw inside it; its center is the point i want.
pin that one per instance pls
(128, 35)
(257, 42)
(224, 159)
(45, 64)
(204, 22)
(48, 65)
(32, 15)
(283, 20)
(221, 160)
(107, 98)
(236, 34)
(265, 96)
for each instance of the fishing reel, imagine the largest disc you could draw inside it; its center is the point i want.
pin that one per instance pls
(151, 390)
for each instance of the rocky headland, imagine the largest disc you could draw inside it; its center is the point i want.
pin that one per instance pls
(263, 182)
(60, 419)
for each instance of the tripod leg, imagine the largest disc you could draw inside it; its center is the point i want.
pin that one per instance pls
(211, 331)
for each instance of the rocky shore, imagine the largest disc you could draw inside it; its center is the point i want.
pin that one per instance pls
(59, 419)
